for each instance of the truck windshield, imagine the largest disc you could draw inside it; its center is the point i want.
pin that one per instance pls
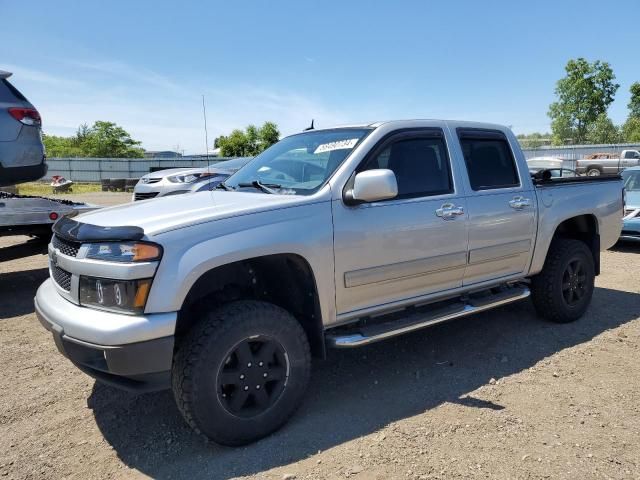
(299, 164)
(631, 180)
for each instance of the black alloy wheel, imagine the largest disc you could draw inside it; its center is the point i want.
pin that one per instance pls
(574, 282)
(253, 376)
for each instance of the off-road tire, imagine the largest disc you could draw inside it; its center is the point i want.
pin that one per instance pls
(205, 351)
(547, 287)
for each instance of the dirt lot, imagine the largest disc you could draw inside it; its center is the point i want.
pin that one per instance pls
(499, 395)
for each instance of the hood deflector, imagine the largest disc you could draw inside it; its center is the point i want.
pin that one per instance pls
(74, 231)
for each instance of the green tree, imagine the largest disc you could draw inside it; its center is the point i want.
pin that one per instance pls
(234, 145)
(56, 146)
(103, 139)
(253, 141)
(631, 130)
(533, 140)
(634, 102)
(269, 134)
(603, 131)
(582, 96)
(249, 142)
(108, 140)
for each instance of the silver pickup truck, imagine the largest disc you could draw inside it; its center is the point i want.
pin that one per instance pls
(607, 163)
(331, 238)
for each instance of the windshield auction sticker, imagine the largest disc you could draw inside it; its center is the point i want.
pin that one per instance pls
(338, 145)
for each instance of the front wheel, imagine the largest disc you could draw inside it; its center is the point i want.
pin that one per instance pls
(562, 291)
(242, 372)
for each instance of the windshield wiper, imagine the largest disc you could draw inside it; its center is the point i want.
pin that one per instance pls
(224, 186)
(265, 187)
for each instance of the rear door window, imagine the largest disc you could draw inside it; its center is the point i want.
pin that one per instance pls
(489, 160)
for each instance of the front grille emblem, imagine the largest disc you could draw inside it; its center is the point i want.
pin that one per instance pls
(54, 258)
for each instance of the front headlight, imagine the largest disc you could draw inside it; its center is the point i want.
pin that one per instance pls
(124, 251)
(125, 296)
(190, 178)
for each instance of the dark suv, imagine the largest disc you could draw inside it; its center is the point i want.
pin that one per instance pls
(22, 156)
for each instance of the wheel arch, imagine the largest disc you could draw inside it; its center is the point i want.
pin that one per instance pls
(285, 279)
(584, 228)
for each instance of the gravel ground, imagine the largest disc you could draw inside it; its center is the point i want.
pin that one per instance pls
(502, 394)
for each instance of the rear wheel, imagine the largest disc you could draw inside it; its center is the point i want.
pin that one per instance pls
(563, 290)
(594, 172)
(242, 372)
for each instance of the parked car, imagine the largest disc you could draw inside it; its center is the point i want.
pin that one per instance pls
(176, 181)
(631, 220)
(22, 156)
(552, 165)
(330, 238)
(607, 163)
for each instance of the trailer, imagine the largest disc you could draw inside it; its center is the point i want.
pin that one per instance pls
(34, 216)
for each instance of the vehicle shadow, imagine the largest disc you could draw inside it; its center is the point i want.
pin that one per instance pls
(626, 246)
(17, 290)
(33, 246)
(357, 392)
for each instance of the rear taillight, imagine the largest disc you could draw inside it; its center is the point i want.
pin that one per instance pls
(26, 116)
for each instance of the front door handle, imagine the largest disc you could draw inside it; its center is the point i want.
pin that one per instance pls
(519, 202)
(449, 211)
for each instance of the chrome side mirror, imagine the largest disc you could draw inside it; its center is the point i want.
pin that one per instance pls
(374, 185)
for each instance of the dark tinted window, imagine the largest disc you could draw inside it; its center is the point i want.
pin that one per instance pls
(421, 166)
(630, 154)
(9, 93)
(490, 163)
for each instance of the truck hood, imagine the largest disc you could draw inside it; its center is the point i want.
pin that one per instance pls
(168, 213)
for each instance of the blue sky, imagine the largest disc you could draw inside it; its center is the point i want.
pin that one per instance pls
(145, 64)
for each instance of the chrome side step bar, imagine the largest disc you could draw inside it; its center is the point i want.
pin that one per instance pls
(375, 333)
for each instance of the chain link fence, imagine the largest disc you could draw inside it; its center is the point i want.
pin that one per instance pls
(96, 169)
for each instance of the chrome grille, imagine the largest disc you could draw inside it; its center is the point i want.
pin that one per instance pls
(70, 249)
(144, 196)
(61, 277)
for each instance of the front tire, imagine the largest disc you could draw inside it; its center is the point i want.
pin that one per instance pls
(241, 373)
(562, 291)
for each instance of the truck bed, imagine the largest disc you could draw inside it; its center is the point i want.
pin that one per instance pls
(541, 182)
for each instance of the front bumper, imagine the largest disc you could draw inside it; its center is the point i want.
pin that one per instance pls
(93, 341)
(21, 174)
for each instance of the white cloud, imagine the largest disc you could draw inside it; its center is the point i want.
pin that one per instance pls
(157, 110)
(38, 76)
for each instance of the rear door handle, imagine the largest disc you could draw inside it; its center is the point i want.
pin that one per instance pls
(519, 202)
(449, 211)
